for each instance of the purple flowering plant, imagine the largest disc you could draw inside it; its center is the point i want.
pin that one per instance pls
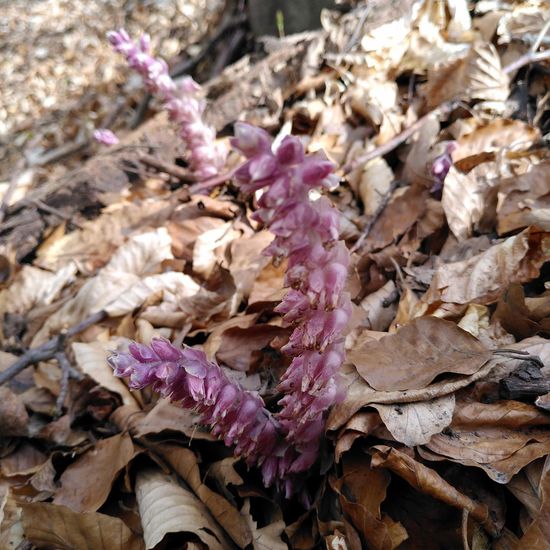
(284, 442)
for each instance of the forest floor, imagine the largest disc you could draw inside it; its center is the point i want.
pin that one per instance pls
(436, 115)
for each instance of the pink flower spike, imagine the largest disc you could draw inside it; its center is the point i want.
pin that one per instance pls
(105, 137)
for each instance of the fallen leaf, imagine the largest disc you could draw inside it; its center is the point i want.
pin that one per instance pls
(13, 414)
(91, 358)
(362, 490)
(87, 482)
(139, 257)
(525, 200)
(477, 280)
(166, 507)
(415, 423)
(479, 75)
(420, 351)
(50, 526)
(26, 459)
(428, 481)
(264, 538)
(210, 248)
(185, 463)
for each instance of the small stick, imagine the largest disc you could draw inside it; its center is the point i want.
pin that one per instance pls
(167, 168)
(212, 182)
(48, 349)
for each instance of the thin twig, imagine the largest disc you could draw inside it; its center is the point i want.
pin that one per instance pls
(526, 59)
(40, 205)
(445, 108)
(212, 182)
(64, 382)
(168, 168)
(48, 349)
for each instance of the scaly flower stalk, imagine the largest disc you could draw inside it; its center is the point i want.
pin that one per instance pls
(105, 137)
(187, 377)
(307, 233)
(182, 102)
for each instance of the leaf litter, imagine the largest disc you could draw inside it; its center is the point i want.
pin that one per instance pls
(445, 422)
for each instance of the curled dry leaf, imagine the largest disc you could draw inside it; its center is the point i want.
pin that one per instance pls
(139, 257)
(185, 463)
(210, 247)
(90, 246)
(25, 460)
(166, 507)
(359, 394)
(34, 287)
(501, 438)
(464, 200)
(50, 526)
(428, 481)
(13, 415)
(490, 137)
(537, 533)
(525, 200)
(91, 358)
(484, 277)
(420, 351)
(87, 482)
(415, 423)
(362, 491)
(264, 538)
(479, 75)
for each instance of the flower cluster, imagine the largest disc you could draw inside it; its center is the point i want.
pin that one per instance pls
(105, 137)
(181, 100)
(307, 233)
(317, 306)
(187, 377)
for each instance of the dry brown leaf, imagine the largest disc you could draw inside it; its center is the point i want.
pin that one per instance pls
(374, 182)
(428, 481)
(26, 459)
(185, 463)
(166, 507)
(50, 526)
(139, 257)
(264, 538)
(359, 394)
(537, 534)
(247, 260)
(465, 200)
(362, 490)
(14, 416)
(91, 358)
(11, 529)
(87, 482)
(415, 423)
(400, 214)
(479, 75)
(492, 136)
(525, 200)
(241, 348)
(380, 307)
(184, 234)
(176, 284)
(484, 277)
(165, 416)
(92, 245)
(34, 287)
(420, 351)
(210, 248)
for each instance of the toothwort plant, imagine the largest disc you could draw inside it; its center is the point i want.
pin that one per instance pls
(286, 442)
(181, 100)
